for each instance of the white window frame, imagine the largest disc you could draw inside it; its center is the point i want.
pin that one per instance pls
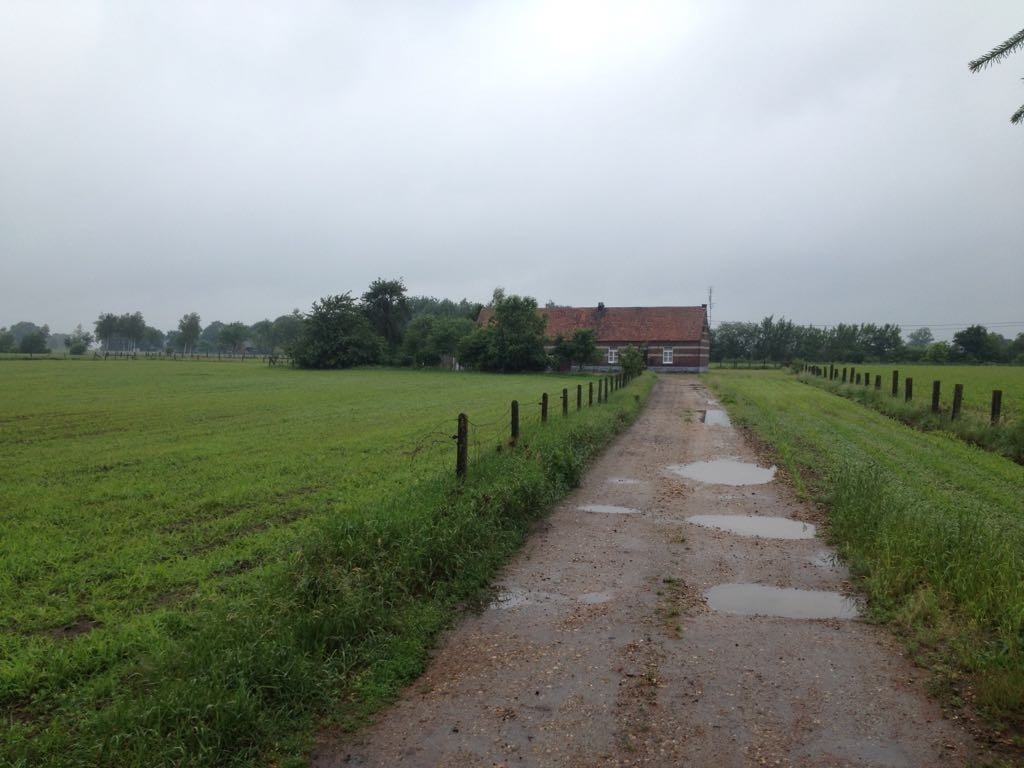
(613, 356)
(667, 355)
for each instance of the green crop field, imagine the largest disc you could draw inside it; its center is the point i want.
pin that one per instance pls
(197, 556)
(1005, 438)
(932, 527)
(978, 382)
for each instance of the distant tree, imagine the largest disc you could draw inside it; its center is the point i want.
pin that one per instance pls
(209, 339)
(188, 332)
(7, 343)
(973, 344)
(153, 339)
(24, 328)
(35, 342)
(513, 340)
(561, 351)
(288, 329)
(998, 54)
(631, 359)
(387, 310)
(233, 336)
(262, 333)
(336, 334)
(132, 327)
(448, 332)
(428, 305)
(78, 341)
(937, 352)
(106, 327)
(583, 347)
(921, 337)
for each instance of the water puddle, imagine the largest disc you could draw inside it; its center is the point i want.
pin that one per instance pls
(715, 418)
(724, 472)
(608, 509)
(759, 600)
(828, 560)
(509, 599)
(622, 481)
(755, 525)
(518, 598)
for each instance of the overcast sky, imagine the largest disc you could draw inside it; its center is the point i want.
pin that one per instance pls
(826, 161)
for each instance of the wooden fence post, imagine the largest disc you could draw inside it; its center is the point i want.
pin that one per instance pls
(936, 388)
(878, 381)
(844, 375)
(579, 396)
(908, 389)
(590, 394)
(997, 406)
(544, 407)
(852, 371)
(895, 383)
(462, 447)
(958, 400)
(515, 421)
(565, 401)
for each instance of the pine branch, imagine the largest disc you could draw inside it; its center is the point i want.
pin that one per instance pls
(1018, 116)
(998, 53)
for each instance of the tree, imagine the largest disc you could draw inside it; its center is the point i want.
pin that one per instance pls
(78, 342)
(188, 332)
(999, 53)
(35, 342)
(973, 344)
(583, 346)
(920, 338)
(153, 339)
(233, 336)
(387, 310)
(106, 327)
(287, 329)
(336, 334)
(209, 339)
(632, 360)
(263, 335)
(513, 339)
(7, 343)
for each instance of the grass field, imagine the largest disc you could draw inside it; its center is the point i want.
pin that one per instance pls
(933, 528)
(198, 558)
(1007, 438)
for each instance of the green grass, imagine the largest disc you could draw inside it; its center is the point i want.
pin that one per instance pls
(932, 528)
(201, 559)
(1006, 438)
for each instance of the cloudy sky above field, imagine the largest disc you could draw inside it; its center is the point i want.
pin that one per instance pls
(826, 161)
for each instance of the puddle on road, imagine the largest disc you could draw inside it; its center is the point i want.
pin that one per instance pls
(756, 525)
(829, 560)
(759, 600)
(608, 509)
(724, 472)
(715, 418)
(622, 481)
(519, 598)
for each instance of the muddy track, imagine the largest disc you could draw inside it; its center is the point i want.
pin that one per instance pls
(601, 649)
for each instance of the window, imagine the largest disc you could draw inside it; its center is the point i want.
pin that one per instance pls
(613, 355)
(666, 355)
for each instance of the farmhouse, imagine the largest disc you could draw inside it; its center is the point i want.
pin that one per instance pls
(673, 339)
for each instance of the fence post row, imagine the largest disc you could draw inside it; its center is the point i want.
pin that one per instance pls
(908, 387)
(579, 396)
(565, 401)
(936, 390)
(895, 383)
(544, 407)
(515, 421)
(878, 381)
(590, 394)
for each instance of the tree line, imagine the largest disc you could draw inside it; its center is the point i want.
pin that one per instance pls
(782, 341)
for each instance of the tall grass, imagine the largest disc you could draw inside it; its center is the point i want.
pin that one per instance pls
(932, 528)
(326, 625)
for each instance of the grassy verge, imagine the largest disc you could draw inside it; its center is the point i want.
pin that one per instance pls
(933, 530)
(262, 623)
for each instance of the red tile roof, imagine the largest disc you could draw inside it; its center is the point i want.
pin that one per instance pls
(623, 324)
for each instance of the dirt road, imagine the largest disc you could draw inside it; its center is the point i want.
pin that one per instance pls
(601, 647)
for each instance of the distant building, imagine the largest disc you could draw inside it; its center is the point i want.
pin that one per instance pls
(673, 339)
